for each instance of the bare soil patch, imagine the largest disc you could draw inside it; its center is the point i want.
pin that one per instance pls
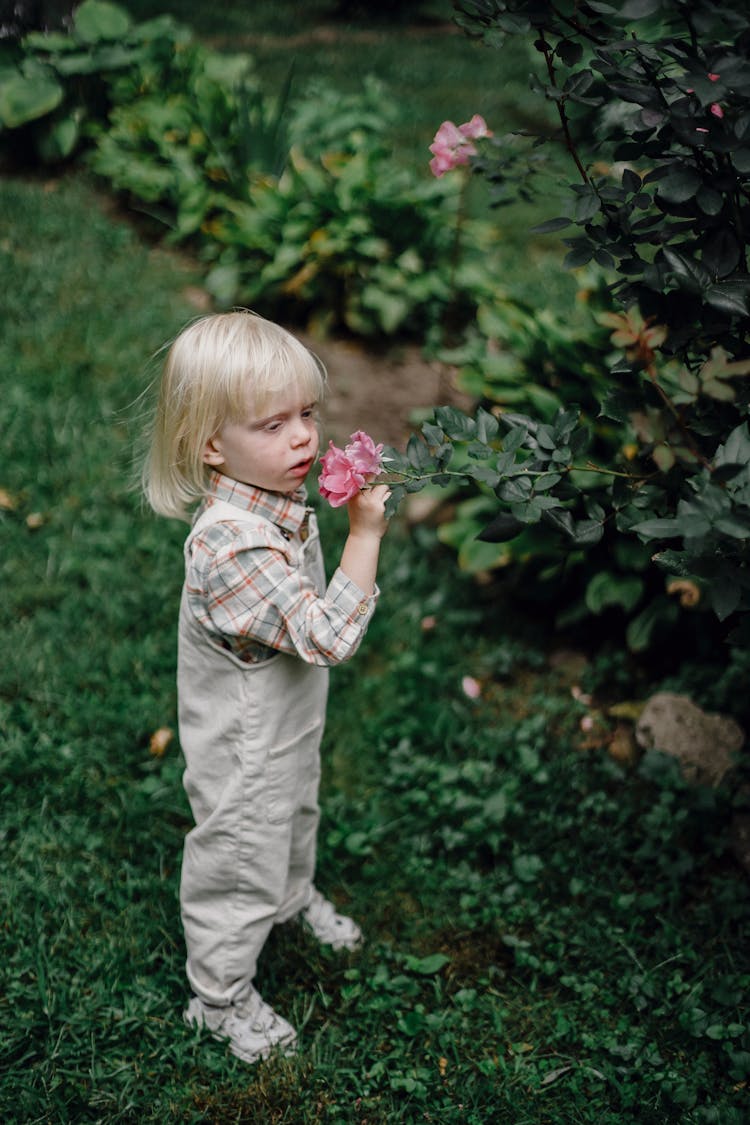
(382, 393)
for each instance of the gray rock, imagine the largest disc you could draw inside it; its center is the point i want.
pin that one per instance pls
(704, 744)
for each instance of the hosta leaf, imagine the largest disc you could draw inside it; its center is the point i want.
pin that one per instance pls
(26, 99)
(95, 20)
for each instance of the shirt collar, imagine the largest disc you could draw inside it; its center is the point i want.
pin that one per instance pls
(287, 512)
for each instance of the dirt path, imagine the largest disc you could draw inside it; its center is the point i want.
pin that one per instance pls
(380, 393)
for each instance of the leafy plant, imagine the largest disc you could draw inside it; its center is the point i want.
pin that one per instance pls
(346, 236)
(296, 204)
(56, 85)
(667, 89)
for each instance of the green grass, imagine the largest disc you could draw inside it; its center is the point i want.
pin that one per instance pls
(550, 939)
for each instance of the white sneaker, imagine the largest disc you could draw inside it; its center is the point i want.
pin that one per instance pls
(253, 1030)
(329, 927)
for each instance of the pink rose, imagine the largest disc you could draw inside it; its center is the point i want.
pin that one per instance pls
(364, 454)
(346, 471)
(453, 146)
(476, 128)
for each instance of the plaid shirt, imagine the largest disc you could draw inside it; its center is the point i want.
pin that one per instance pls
(244, 587)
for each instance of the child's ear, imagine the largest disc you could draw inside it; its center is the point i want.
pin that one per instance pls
(212, 454)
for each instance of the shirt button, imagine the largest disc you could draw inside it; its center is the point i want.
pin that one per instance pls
(362, 609)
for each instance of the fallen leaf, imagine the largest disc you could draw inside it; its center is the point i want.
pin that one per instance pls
(622, 748)
(34, 520)
(7, 501)
(159, 741)
(689, 592)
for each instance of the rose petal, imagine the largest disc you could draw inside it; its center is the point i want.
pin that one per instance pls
(471, 687)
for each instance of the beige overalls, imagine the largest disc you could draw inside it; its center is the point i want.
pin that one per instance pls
(251, 737)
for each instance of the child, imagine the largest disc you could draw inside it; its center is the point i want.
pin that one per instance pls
(236, 432)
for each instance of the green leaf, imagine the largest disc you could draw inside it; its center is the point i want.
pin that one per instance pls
(551, 225)
(397, 493)
(681, 183)
(26, 99)
(730, 296)
(483, 473)
(579, 256)
(659, 612)
(527, 868)
(685, 525)
(488, 426)
(457, 425)
(724, 597)
(427, 966)
(607, 589)
(418, 454)
(96, 20)
(639, 9)
(502, 528)
(561, 520)
(688, 271)
(588, 204)
(514, 439)
(736, 449)
(741, 160)
(570, 51)
(586, 533)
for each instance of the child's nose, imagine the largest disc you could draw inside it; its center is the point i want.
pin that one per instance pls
(301, 433)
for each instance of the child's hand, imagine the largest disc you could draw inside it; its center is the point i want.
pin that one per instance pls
(367, 526)
(367, 512)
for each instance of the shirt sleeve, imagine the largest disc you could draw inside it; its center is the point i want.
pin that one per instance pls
(252, 589)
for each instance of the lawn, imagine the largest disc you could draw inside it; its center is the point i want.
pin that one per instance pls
(551, 937)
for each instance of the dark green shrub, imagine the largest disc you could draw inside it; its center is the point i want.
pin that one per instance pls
(668, 89)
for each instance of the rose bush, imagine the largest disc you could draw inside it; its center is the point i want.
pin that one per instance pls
(653, 100)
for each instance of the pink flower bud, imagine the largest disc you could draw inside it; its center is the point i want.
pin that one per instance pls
(717, 110)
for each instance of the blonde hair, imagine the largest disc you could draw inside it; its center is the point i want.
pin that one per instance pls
(217, 369)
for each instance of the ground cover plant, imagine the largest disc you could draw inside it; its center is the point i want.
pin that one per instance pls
(550, 937)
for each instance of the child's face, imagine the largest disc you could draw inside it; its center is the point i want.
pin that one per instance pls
(274, 450)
